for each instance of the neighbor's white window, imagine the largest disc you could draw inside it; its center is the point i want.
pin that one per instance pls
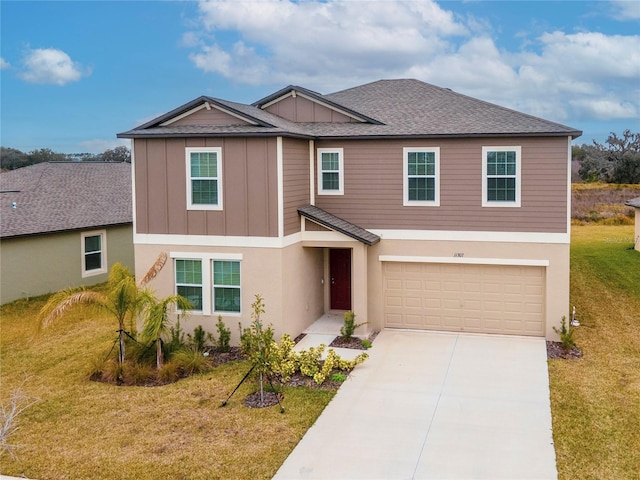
(189, 281)
(501, 176)
(94, 252)
(330, 171)
(204, 178)
(421, 176)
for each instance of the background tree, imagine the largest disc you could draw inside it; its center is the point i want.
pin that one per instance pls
(617, 161)
(118, 154)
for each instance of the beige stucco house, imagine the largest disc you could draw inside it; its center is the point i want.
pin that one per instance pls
(635, 203)
(412, 205)
(63, 224)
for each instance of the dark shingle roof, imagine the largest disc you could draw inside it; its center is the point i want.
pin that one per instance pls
(634, 202)
(328, 220)
(51, 197)
(389, 108)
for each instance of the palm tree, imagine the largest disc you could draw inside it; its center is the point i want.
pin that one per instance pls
(157, 320)
(123, 299)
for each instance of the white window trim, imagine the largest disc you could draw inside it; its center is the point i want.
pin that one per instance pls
(340, 152)
(508, 204)
(405, 178)
(207, 278)
(188, 152)
(103, 253)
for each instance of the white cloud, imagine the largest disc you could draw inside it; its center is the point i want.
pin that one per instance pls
(334, 44)
(626, 9)
(51, 66)
(4, 64)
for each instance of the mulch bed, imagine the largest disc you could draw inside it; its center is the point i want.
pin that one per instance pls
(218, 358)
(353, 342)
(556, 350)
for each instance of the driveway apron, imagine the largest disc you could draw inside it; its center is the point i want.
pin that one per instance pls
(431, 405)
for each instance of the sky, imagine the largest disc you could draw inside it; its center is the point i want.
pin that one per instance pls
(74, 74)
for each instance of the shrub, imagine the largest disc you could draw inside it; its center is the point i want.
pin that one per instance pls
(224, 336)
(136, 373)
(191, 362)
(566, 335)
(169, 372)
(338, 377)
(198, 341)
(349, 324)
(176, 341)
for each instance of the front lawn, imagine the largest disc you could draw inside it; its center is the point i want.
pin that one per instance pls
(595, 400)
(81, 429)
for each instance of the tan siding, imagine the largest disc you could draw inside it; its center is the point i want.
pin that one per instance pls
(301, 109)
(296, 182)
(373, 187)
(249, 188)
(209, 117)
(314, 227)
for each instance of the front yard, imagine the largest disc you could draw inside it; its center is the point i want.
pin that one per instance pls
(81, 429)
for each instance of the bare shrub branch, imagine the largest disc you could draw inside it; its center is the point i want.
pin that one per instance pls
(9, 413)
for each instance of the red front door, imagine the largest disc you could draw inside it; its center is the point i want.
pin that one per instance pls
(340, 272)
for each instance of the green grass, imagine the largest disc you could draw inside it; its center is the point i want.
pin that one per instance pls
(81, 429)
(596, 400)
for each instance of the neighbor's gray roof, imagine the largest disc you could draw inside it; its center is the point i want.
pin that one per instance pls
(329, 220)
(396, 108)
(634, 202)
(58, 196)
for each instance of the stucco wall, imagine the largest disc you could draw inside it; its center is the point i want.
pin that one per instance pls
(42, 264)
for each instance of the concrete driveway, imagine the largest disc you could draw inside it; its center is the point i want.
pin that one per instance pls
(435, 406)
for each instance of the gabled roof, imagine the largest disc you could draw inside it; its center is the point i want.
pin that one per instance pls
(328, 220)
(634, 202)
(293, 90)
(58, 196)
(386, 108)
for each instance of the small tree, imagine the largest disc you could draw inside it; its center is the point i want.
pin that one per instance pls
(258, 344)
(566, 335)
(350, 325)
(157, 320)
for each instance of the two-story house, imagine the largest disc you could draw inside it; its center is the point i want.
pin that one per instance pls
(412, 205)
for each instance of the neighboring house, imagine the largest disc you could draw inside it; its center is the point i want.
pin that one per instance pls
(412, 205)
(63, 225)
(635, 203)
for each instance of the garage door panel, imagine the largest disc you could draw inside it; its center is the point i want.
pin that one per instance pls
(474, 298)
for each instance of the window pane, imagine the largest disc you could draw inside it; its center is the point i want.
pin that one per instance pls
(501, 163)
(422, 189)
(330, 181)
(204, 164)
(421, 163)
(501, 189)
(330, 161)
(92, 243)
(193, 294)
(189, 271)
(226, 299)
(93, 261)
(204, 192)
(226, 273)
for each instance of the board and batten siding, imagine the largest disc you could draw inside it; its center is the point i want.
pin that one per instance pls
(302, 110)
(373, 186)
(249, 188)
(295, 180)
(209, 117)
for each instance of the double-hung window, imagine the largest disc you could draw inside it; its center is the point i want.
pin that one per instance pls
(226, 286)
(501, 176)
(421, 176)
(94, 256)
(330, 171)
(189, 281)
(204, 178)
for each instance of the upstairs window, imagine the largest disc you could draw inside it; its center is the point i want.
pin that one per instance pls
(94, 253)
(330, 171)
(421, 179)
(501, 176)
(204, 178)
(189, 281)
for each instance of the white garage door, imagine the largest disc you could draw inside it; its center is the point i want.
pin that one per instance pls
(465, 298)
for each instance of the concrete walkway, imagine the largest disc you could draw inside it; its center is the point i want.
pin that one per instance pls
(435, 406)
